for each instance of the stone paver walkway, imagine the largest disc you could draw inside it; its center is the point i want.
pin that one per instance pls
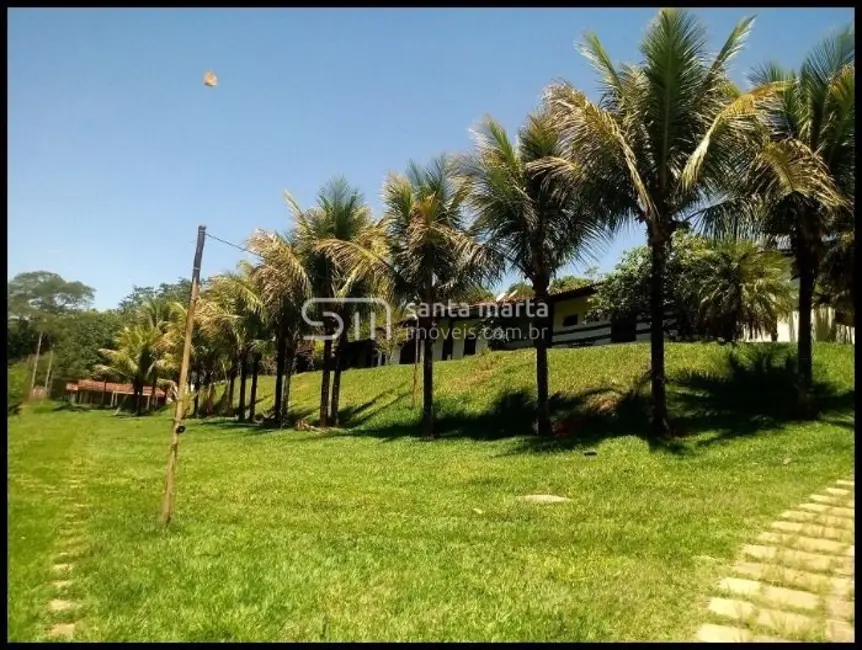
(796, 581)
(63, 570)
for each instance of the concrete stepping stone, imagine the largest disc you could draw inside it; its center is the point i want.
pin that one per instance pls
(840, 631)
(59, 605)
(711, 633)
(847, 567)
(842, 481)
(839, 492)
(791, 558)
(739, 610)
(834, 511)
(61, 584)
(813, 530)
(812, 544)
(544, 498)
(813, 582)
(829, 500)
(840, 609)
(62, 630)
(851, 551)
(819, 519)
(61, 568)
(772, 596)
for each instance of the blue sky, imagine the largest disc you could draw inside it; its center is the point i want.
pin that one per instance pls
(117, 151)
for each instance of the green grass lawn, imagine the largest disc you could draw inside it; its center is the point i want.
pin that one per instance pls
(370, 533)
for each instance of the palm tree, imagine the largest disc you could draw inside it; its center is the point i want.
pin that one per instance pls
(836, 279)
(134, 358)
(418, 252)
(340, 214)
(666, 136)
(233, 308)
(157, 315)
(283, 286)
(812, 135)
(736, 288)
(535, 227)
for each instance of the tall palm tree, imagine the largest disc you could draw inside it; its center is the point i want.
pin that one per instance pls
(340, 214)
(812, 133)
(667, 136)
(283, 286)
(535, 227)
(157, 315)
(419, 251)
(233, 308)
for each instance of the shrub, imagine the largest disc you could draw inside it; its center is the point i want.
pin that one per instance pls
(17, 381)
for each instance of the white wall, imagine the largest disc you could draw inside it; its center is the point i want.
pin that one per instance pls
(788, 328)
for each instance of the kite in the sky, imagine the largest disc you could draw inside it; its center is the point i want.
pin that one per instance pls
(210, 79)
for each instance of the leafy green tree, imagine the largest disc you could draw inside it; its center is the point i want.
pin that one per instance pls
(568, 283)
(179, 291)
(79, 338)
(38, 293)
(519, 291)
(714, 289)
(479, 294)
(40, 298)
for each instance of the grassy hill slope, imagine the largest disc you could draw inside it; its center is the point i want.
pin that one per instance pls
(601, 391)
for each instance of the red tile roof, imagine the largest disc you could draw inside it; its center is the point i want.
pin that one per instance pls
(100, 386)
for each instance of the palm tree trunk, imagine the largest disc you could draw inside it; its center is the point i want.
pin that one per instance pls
(153, 392)
(543, 424)
(230, 391)
(336, 380)
(807, 273)
(288, 374)
(210, 393)
(139, 397)
(658, 249)
(415, 364)
(428, 381)
(281, 349)
(35, 366)
(253, 398)
(428, 368)
(243, 367)
(197, 393)
(324, 380)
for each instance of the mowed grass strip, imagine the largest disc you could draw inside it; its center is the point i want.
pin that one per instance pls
(369, 533)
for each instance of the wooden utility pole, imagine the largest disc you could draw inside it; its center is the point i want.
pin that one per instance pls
(48, 377)
(182, 389)
(35, 367)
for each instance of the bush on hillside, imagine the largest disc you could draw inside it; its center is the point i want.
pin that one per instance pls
(16, 392)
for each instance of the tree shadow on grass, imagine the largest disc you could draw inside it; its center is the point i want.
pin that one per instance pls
(758, 390)
(755, 391)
